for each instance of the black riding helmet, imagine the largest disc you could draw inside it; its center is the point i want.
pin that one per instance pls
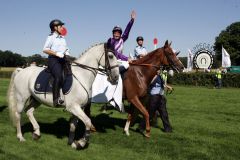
(117, 29)
(139, 38)
(55, 22)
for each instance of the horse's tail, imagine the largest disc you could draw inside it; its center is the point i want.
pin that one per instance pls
(12, 102)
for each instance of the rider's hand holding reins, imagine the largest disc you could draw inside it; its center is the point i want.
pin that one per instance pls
(60, 54)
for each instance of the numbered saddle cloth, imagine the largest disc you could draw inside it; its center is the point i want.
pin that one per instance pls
(44, 82)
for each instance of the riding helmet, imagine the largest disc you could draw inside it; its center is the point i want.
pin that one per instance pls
(139, 38)
(117, 29)
(55, 22)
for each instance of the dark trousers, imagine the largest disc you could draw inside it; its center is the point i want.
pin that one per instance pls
(158, 103)
(55, 66)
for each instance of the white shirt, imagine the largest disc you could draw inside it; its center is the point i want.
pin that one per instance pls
(56, 43)
(139, 50)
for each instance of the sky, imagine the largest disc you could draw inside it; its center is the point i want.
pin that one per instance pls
(24, 24)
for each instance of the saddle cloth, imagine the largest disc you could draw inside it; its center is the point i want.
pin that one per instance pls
(43, 83)
(104, 92)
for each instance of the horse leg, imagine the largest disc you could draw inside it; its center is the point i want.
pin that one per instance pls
(129, 120)
(87, 110)
(143, 110)
(79, 113)
(29, 111)
(126, 128)
(17, 115)
(73, 124)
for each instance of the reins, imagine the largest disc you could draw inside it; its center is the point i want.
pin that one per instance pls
(172, 63)
(89, 67)
(146, 65)
(104, 70)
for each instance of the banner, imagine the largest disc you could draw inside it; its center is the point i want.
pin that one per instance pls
(226, 61)
(189, 60)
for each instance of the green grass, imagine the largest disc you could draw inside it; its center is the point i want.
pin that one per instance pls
(206, 125)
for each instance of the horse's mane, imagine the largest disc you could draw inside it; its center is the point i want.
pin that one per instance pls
(94, 45)
(146, 58)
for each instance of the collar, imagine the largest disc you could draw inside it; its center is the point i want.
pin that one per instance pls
(55, 34)
(140, 46)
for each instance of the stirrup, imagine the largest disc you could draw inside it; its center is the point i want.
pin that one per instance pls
(58, 102)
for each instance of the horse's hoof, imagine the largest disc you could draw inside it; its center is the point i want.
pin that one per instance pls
(36, 137)
(147, 135)
(21, 139)
(126, 132)
(78, 145)
(93, 129)
(74, 145)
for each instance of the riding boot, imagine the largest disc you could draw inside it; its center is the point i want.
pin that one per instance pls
(56, 94)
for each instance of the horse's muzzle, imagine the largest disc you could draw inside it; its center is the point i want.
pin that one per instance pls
(113, 80)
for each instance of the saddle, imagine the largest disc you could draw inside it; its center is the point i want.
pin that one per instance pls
(44, 81)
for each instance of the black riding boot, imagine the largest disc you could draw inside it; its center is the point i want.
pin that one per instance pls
(56, 93)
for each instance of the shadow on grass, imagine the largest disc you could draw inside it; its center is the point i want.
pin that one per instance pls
(103, 121)
(60, 128)
(2, 108)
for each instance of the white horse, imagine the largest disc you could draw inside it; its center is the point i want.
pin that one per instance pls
(21, 95)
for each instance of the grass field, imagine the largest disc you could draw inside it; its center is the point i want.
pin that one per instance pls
(206, 125)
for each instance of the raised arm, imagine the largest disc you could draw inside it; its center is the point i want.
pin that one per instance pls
(129, 26)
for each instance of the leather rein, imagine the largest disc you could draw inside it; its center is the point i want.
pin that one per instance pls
(106, 70)
(172, 63)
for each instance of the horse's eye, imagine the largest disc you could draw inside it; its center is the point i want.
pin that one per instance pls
(110, 56)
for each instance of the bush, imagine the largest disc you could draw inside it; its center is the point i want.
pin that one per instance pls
(205, 79)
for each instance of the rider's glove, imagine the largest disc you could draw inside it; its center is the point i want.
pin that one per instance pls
(60, 54)
(67, 53)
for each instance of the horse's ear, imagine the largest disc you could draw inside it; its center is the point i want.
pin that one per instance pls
(166, 44)
(170, 43)
(177, 53)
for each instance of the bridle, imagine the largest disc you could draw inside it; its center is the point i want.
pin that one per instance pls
(172, 63)
(107, 69)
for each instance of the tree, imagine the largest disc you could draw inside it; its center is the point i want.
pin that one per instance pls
(36, 58)
(10, 59)
(230, 40)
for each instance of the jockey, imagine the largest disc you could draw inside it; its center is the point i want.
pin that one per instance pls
(56, 48)
(139, 51)
(116, 43)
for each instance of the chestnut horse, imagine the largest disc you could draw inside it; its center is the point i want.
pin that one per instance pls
(139, 75)
(136, 82)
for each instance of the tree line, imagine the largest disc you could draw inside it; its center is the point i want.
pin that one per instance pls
(10, 59)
